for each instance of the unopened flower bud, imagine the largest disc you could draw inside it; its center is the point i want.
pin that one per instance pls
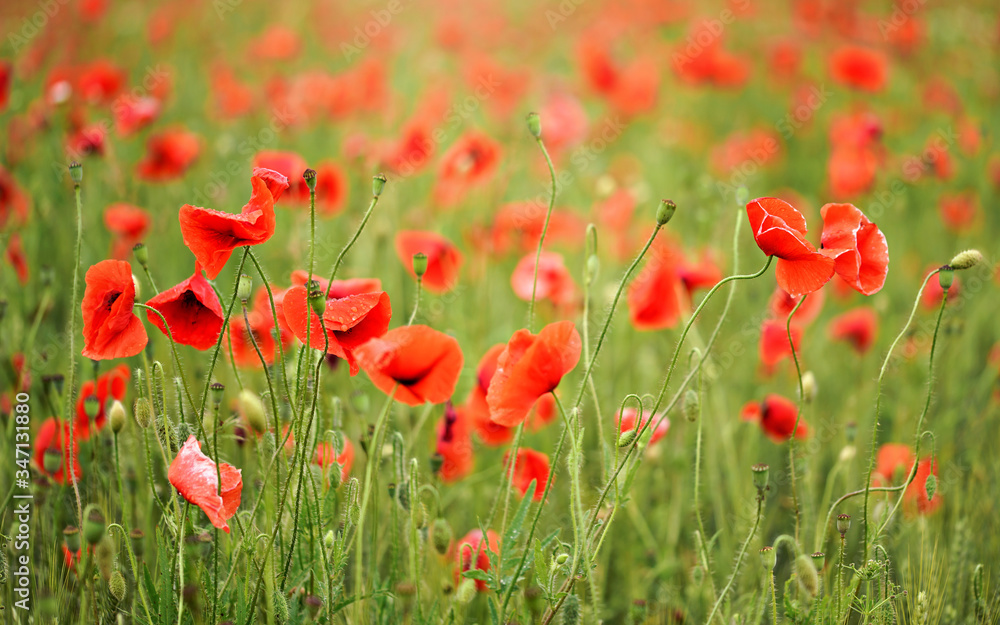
(93, 524)
(843, 524)
(768, 557)
(142, 412)
(76, 172)
(243, 287)
(966, 259)
(441, 536)
(313, 604)
(309, 176)
(627, 437)
(116, 585)
(116, 417)
(805, 573)
(665, 211)
(420, 264)
(809, 387)
(562, 559)
(534, 125)
(378, 185)
(71, 536)
(251, 408)
(466, 591)
(141, 254)
(847, 453)
(593, 268)
(691, 405)
(760, 473)
(742, 195)
(930, 486)
(571, 610)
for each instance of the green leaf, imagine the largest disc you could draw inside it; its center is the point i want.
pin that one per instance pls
(476, 574)
(514, 529)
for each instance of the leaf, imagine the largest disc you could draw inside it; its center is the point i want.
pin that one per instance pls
(476, 574)
(522, 512)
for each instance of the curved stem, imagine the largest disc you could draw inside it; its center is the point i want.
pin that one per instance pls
(222, 332)
(798, 417)
(545, 228)
(173, 349)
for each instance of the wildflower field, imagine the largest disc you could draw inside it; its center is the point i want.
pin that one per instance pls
(569, 312)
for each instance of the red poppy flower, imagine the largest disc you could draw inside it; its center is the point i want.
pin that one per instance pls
(859, 248)
(339, 288)
(6, 71)
(565, 122)
(703, 274)
(859, 68)
(110, 329)
(443, 258)
(859, 327)
(192, 310)
(86, 140)
(128, 224)
(530, 366)
(100, 81)
(476, 408)
(13, 201)
(555, 283)
(260, 330)
(196, 478)
(331, 188)
(454, 445)
(54, 434)
(851, 171)
(277, 43)
(894, 463)
(958, 211)
(776, 415)
(326, 457)
(468, 163)
(413, 150)
(471, 553)
(349, 321)
(16, 257)
(779, 230)
(627, 421)
(423, 362)
(530, 466)
(774, 346)
(542, 413)
(109, 387)
(133, 114)
(654, 297)
(212, 235)
(288, 165)
(168, 155)
(519, 225)
(782, 304)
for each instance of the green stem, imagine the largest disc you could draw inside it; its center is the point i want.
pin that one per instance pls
(798, 416)
(545, 228)
(70, 381)
(416, 303)
(739, 561)
(222, 332)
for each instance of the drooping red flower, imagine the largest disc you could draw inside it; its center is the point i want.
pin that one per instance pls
(776, 415)
(421, 363)
(859, 327)
(54, 434)
(471, 553)
(476, 408)
(774, 346)
(858, 247)
(168, 155)
(13, 200)
(779, 230)
(350, 321)
(110, 329)
(212, 235)
(326, 456)
(443, 259)
(196, 478)
(192, 310)
(530, 466)
(654, 297)
(14, 254)
(859, 68)
(555, 283)
(530, 366)
(627, 420)
(128, 223)
(109, 387)
(454, 445)
(470, 162)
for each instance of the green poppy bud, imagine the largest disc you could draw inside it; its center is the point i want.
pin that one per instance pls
(142, 412)
(141, 254)
(420, 264)
(244, 287)
(116, 416)
(769, 557)
(251, 408)
(71, 537)
(534, 125)
(116, 585)
(966, 259)
(378, 185)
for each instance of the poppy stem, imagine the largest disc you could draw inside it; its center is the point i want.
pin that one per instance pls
(588, 277)
(135, 568)
(274, 319)
(354, 238)
(878, 404)
(798, 416)
(222, 332)
(416, 303)
(739, 561)
(74, 307)
(177, 360)
(545, 228)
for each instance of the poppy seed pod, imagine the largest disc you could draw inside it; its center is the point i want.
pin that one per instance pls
(534, 125)
(93, 524)
(819, 560)
(141, 254)
(760, 473)
(116, 417)
(136, 537)
(843, 524)
(309, 176)
(966, 259)
(251, 408)
(378, 185)
(91, 407)
(217, 389)
(769, 557)
(76, 172)
(71, 536)
(946, 277)
(244, 287)
(317, 301)
(420, 264)
(52, 460)
(665, 211)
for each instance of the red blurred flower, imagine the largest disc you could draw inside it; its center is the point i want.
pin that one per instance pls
(109, 387)
(859, 68)
(443, 259)
(212, 235)
(530, 366)
(782, 304)
(100, 81)
(6, 72)
(110, 329)
(16, 257)
(858, 326)
(779, 230)
(421, 363)
(894, 463)
(454, 445)
(471, 553)
(654, 297)
(13, 201)
(776, 415)
(54, 434)
(134, 114)
(851, 171)
(530, 466)
(350, 321)
(277, 43)
(627, 421)
(192, 310)
(260, 331)
(86, 140)
(168, 155)
(555, 283)
(471, 161)
(288, 165)
(774, 346)
(128, 223)
(859, 248)
(958, 211)
(326, 457)
(565, 122)
(196, 478)
(518, 226)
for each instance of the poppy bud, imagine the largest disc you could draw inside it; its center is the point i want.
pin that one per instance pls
(843, 524)
(627, 437)
(847, 453)
(571, 610)
(466, 591)
(441, 536)
(405, 590)
(353, 513)
(71, 536)
(760, 472)
(819, 560)
(691, 405)
(420, 264)
(142, 412)
(251, 408)
(313, 604)
(769, 557)
(742, 196)
(76, 172)
(805, 573)
(665, 211)
(562, 559)
(159, 402)
(91, 406)
(534, 125)
(116, 417)
(317, 301)
(809, 388)
(593, 268)
(638, 611)
(52, 460)
(966, 259)
(437, 461)
(378, 184)
(309, 176)
(280, 606)
(945, 277)
(116, 585)
(329, 540)
(136, 537)
(93, 524)
(217, 389)
(141, 254)
(930, 486)
(243, 287)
